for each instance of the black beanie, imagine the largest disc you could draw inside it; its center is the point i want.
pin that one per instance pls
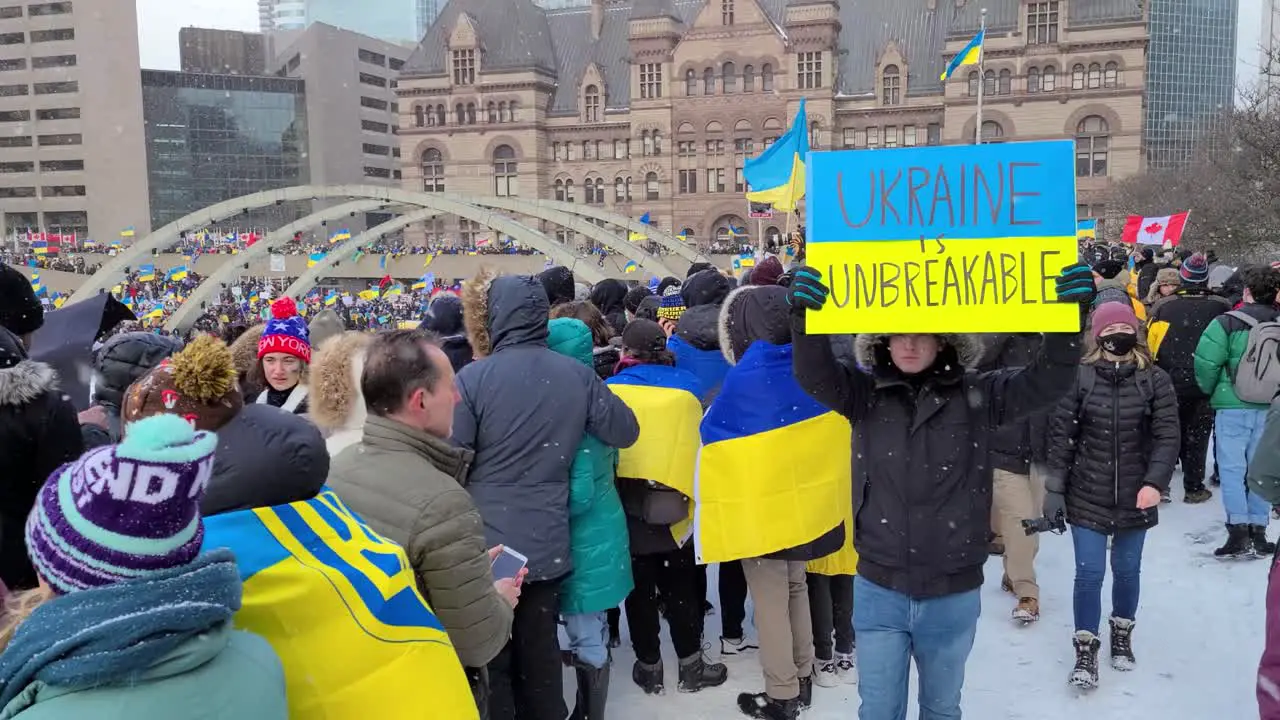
(667, 282)
(558, 282)
(20, 311)
(697, 267)
(632, 299)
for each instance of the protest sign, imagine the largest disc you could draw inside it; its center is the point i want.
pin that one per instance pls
(961, 238)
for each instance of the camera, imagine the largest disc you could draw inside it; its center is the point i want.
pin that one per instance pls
(1057, 524)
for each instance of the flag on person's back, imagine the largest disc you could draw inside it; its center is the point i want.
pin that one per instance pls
(1165, 231)
(340, 605)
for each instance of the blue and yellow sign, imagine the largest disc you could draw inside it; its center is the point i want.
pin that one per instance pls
(963, 238)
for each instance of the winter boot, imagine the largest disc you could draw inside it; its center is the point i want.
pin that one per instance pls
(1085, 674)
(760, 705)
(1027, 611)
(806, 693)
(697, 674)
(1237, 545)
(648, 677)
(593, 691)
(1195, 496)
(1258, 537)
(1122, 644)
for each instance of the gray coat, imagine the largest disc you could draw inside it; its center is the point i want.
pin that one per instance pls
(524, 410)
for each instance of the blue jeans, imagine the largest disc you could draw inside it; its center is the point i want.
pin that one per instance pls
(1091, 567)
(1235, 439)
(892, 628)
(588, 638)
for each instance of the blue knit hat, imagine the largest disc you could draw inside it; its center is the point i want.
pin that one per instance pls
(285, 332)
(123, 511)
(1195, 270)
(672, 305)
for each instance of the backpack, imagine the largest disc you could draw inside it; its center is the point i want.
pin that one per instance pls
(1258, 375)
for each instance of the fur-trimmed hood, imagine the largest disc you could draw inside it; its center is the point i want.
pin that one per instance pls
(504, 311)
(751, 313)
(26, 381)
(244, 351)
(968, 349)
(335, 403)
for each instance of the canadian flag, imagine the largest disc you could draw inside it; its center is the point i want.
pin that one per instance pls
(1163, 231)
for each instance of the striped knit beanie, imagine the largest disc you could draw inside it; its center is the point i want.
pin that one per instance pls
(672, 305)
(123, 511)
(1195, 270)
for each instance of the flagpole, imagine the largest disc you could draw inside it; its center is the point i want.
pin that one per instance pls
(982, 78)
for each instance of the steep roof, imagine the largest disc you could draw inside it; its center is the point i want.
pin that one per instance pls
(868, 26)
(513, 35)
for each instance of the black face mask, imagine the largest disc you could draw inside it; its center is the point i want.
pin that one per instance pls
(1118, 344)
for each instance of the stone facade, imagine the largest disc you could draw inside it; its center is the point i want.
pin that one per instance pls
(652, 105)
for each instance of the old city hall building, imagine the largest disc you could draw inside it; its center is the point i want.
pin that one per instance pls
(653, 105)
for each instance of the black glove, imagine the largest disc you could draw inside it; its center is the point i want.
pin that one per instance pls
(1055, 507)
(1075, 284)
(807, 291)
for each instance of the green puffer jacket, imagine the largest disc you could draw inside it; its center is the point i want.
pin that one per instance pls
(601, 577)
(1218, 355)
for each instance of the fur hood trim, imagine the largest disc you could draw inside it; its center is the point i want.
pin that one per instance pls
(475, 311)
(244, 351)
(335, 402)
(968, 348)
(722, 322)
(26, 381)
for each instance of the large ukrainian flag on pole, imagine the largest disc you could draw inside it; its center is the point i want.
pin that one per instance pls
(971, 54)
(751, 496)
(341, 607)
(666, 404)
(776, 176)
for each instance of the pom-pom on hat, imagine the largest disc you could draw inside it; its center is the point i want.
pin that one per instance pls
(123, 511)
(198, 384)
(285, 332)
(672, 305)
(1195, 270)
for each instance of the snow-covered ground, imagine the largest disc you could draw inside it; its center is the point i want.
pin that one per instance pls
(1198, 639)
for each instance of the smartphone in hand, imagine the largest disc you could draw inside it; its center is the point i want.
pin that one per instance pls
(508, 564)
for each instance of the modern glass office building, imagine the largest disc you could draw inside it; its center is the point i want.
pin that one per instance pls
(389, 20)
(1190, 76)
(215, 137)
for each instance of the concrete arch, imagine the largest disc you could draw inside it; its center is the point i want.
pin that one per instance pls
(333, 258)
(194, 304)
(112, 272)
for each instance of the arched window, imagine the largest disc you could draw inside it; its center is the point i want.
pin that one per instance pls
(989, 83)
(1095, 76)
(1093, 143)
(766, 77)
(618, 195)
(657, 142)
(646, 143)
(1049, 78)
(504, 171)
(690, 82)
(708, 82)
(891, 86)
(440, 115)
(729, 77)
(973, 83)
(471, 113)
(1111, 75)
(591, 104)
(1077, 77)
(1033, 80)
(651, 186)
(491, 113)
(460, 114)
(559, 189)
(600, 191)
(748, 78)
(568, 191)
(432, 171)
(419, 116)
(1006, 81)
(992, 131)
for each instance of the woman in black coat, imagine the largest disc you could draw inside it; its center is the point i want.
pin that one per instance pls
(1113, 443)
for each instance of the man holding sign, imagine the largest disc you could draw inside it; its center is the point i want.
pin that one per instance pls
(987, 229)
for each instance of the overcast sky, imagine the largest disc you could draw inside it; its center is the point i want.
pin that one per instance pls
(160, 20)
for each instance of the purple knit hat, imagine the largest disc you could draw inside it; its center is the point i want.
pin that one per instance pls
(122, 511)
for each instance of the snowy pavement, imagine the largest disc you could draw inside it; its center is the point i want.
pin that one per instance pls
(1197, 641)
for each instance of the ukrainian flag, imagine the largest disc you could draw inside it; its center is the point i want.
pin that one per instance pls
(750, 498)
(970, 55)
(178, 273)
(331, 298)
(368, 295)
(776, 176)
(147, 273)
(393, 291)
(340, 606)
(667, 407)
(1087, 228)
(339, 236)
(684, 236)
(429, 258)
(128, 232)
(89, 245)
(630, 267)
(253, 299)
(155, 314)
(40, 247)
(421, 284)
(37, 287)
(315, 259)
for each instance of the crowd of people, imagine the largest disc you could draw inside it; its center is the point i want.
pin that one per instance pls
(321, 511)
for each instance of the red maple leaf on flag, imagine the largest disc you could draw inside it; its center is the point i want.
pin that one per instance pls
(1153, 229)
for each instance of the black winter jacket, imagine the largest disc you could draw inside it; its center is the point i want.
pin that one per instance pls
(921, 450)
(1104, 448)
(39, 431)
(1018, 443)
(266, 456)
(1186, 317)
(116, 365)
